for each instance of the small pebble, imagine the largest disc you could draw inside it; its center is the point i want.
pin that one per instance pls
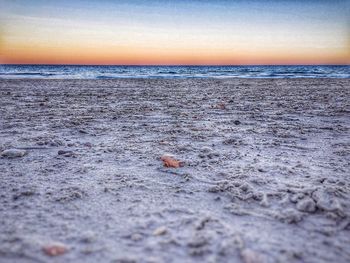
(136, 237)
(65, 153)
(306, 205)
(13, 153)
(206, 149)
(160, 231)
(250, 256)
(237, 122)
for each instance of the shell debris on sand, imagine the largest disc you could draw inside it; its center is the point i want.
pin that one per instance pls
(56, 249)
(162, 230)
(251, 256)
(13, 153)
(171, 162)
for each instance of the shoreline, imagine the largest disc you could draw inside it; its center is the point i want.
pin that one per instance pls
(179, 78)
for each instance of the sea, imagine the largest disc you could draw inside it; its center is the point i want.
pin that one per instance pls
(112, 72)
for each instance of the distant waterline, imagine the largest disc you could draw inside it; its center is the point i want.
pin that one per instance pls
(111, 72)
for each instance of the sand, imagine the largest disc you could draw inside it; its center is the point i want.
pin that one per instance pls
(264, 175)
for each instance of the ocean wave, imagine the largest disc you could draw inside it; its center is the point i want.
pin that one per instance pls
(111, 72)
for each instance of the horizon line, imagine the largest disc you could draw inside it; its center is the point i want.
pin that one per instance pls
(168, 65)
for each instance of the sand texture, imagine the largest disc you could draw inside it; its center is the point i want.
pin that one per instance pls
(262, 172)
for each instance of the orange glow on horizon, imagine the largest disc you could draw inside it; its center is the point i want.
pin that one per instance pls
(80, 55)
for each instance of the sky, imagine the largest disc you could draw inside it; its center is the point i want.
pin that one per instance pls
(178, 32)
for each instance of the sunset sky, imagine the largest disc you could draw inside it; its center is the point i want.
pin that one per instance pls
(138, 32)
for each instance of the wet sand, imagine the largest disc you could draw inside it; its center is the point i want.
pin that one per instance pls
(265, 175)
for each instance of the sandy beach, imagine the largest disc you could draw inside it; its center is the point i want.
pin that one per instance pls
(264, 174)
